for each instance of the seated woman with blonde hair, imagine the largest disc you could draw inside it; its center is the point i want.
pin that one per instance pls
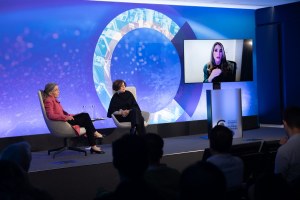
(55, 111)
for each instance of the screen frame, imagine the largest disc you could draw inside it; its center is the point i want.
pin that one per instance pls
(197, 53)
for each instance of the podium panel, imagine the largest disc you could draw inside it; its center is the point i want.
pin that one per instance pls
(225, 106)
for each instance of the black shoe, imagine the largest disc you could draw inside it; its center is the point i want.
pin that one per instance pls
(97, 152)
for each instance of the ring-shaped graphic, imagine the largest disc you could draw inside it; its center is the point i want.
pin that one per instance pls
(109, 39)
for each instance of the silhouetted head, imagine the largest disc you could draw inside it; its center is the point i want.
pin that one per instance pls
(130, 156)
(155, 145)
(220, 139)
(19, 153)
(272, 186)
(202, 180)
(291, 116)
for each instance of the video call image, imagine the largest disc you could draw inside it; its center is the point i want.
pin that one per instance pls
(201, 57)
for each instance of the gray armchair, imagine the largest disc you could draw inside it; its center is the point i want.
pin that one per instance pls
(60, 129)
(145, 114)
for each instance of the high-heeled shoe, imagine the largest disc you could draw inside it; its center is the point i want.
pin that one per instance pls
(96, 151)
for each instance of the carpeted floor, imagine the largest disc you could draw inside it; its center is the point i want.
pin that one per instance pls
(174, 145)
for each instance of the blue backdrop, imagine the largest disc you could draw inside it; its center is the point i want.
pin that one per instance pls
(84, 46)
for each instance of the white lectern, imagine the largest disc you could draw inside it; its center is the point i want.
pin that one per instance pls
(225, 105)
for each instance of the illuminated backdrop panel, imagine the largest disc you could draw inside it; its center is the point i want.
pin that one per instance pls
(84, 46)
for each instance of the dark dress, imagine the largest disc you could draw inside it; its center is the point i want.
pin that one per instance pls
(126, 101)
(227, 75)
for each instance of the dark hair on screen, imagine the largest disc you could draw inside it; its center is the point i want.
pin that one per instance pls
(117, 84)
(291, 116)
(212, 65)
(212, 53)
(220, 139)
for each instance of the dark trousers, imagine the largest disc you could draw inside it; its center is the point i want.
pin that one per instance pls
(84, 120)
(136, 119)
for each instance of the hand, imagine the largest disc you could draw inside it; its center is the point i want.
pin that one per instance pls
(125, 113)
(69, 118)
(283, 140)
(216, 72)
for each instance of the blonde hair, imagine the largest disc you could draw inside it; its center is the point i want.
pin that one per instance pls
(48, 88)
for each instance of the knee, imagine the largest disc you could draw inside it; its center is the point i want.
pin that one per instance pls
(133, 110)
(86, 116)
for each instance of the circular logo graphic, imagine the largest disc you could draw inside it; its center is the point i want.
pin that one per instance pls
(136, 47)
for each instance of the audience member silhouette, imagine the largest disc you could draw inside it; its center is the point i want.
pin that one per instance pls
(15, 184)
(162, 177)
(19, 153)
(131, 161)
(270, 186)
(295, 185)
(202, 180)
(220, 141)
(287, 161)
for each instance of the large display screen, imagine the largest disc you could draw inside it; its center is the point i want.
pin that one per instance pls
(227, 60)
(86, 45)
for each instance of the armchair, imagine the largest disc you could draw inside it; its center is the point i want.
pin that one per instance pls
(60, 129)
(145, 114)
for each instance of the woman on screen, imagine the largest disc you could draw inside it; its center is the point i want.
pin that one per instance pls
(218, 69)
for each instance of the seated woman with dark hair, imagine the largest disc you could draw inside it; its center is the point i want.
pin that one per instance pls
(125, 108)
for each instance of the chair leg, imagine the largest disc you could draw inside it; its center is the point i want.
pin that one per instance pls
(59, 151)
(66, 147)
(77, 149)
(56, 149)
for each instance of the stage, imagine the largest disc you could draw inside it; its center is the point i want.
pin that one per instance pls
(173, 145)
(71, 175)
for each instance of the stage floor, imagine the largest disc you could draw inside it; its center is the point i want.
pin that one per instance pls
(174, 145)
